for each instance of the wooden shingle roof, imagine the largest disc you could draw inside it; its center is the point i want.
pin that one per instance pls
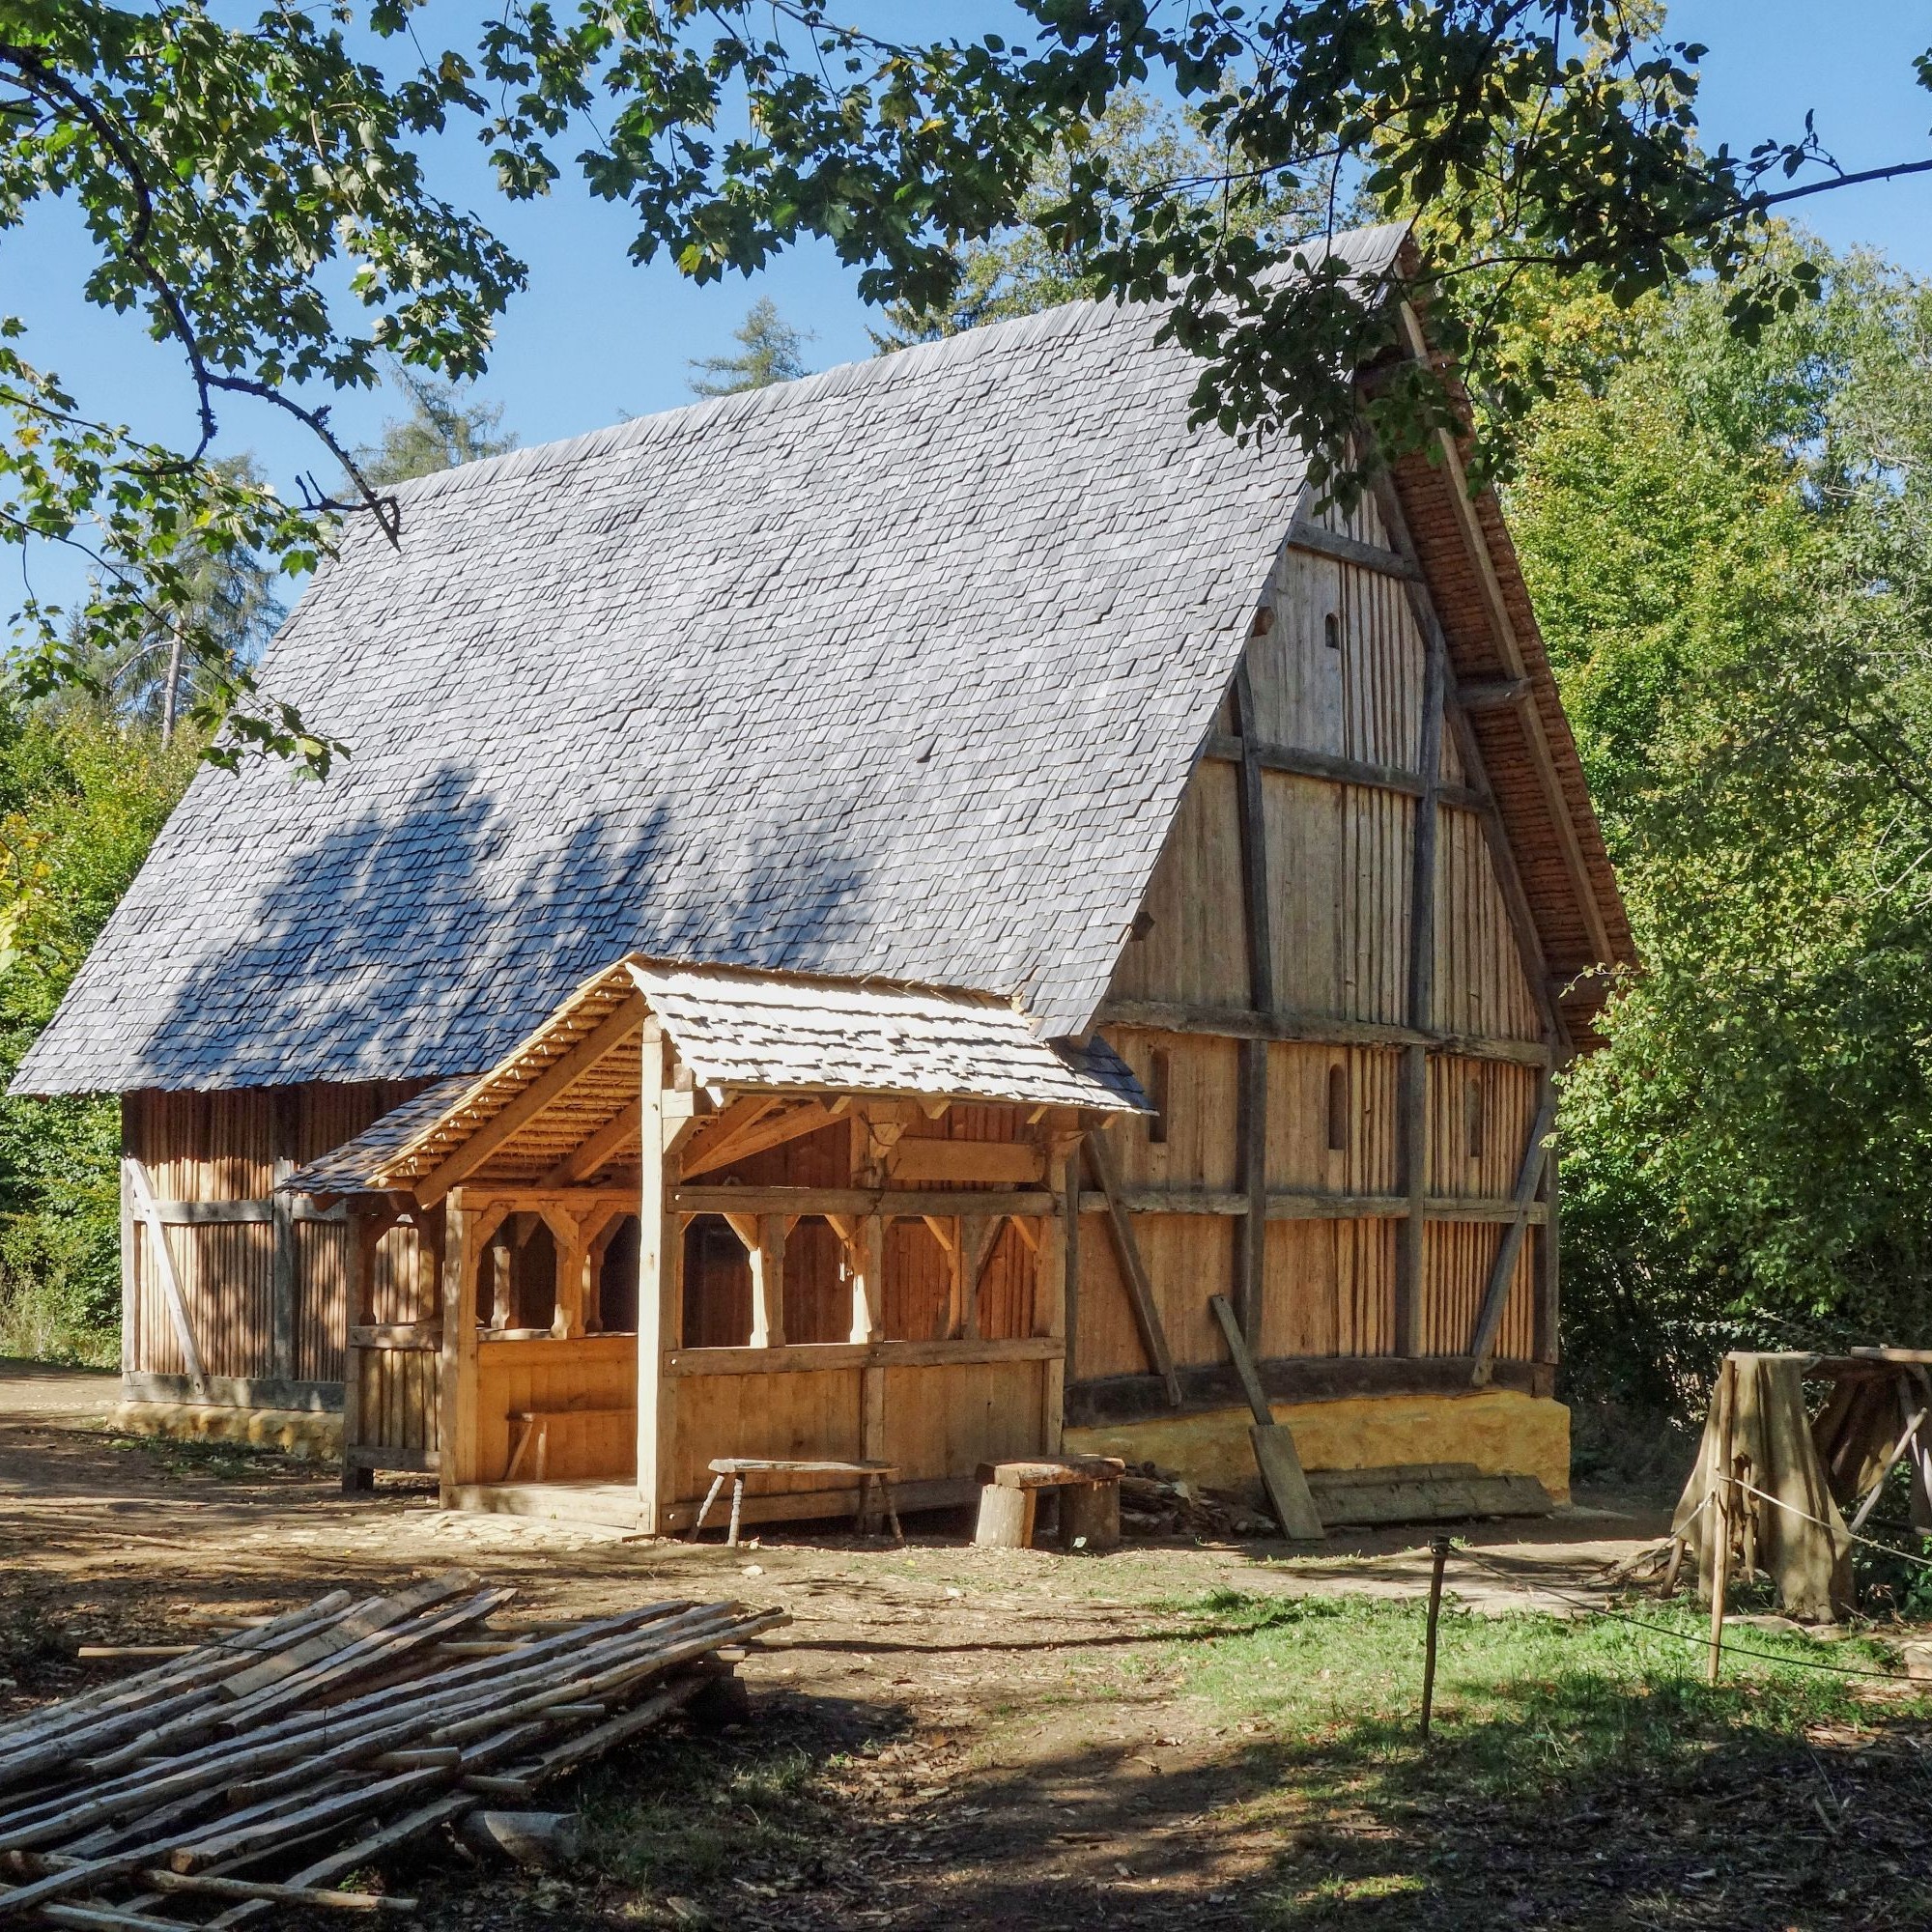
(739, 1032)
(898, 671)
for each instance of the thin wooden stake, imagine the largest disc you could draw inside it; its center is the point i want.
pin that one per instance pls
(1438, 1549)
(1721, 1509)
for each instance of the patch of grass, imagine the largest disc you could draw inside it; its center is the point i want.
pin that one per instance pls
(1600, 1732)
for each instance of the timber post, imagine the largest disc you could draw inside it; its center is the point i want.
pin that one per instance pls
(456, 1434)
(1412, 1160)
(1252, 1106)
(660, 1283)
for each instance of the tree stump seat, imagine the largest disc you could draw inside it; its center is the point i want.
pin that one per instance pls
(1090, 1501)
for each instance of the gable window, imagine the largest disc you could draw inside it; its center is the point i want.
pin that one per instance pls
(1157, 1091)
(1338, 1108)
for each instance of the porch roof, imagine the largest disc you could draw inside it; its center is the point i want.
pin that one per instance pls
(737, 1030)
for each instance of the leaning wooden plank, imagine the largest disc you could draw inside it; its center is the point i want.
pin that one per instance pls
(350, 1858)
(524, 1780)
(1134, 1271)
(106, 1917)
(378, 1614)
(339, 1808)
(1495, 1297)
(1280, 1467)
(150, 1213)
(206, 1884)
(14, 1900)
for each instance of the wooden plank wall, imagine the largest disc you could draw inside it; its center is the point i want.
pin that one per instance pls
(595, 1373)
(228, 1146)
(1339, 889)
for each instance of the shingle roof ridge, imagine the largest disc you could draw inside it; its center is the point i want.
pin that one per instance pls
(915, 360)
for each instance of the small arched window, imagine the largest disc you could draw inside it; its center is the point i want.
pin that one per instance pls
(1338, 1108)
(1331, 631)
(1472, 1116)
(1156, 1093)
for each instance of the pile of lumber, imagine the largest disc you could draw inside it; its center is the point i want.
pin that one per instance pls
(250, 1773)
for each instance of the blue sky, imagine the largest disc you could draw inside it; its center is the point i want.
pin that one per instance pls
(593, 338)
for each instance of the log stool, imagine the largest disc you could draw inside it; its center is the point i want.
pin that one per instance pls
(738, 1467)
(1090, 1501)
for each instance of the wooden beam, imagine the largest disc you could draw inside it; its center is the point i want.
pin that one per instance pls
(1119, 1399)
(1005, 1163)
(1225, 748)
(1495, 1297)
(809, 1357)
(621, 1130)
(131, 1288)
(909, 1204)
(768, 1271)
(456, 1433)
(1549, 1268)
(1290, 1204)
(1412, 1095)
(978, 1235)
(1238, 1023)
(660, 1293)
(1492, 693)
(1509, 648)
(1134, 1271)
(597, 1045)
(1251, 1122)
(767, 1122)
(1319, 541)
(165, 1266)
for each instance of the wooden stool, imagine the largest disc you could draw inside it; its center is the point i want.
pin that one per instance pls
(738, 1467)
(1089, 1503)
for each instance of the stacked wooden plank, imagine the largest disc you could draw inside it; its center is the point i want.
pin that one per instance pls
(256, 1770)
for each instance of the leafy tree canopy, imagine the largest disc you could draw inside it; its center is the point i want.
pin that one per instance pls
(256, 198)
(771, 351)
(1728, 544)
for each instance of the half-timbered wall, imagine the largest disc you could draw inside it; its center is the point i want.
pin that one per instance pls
(1331, 724)
(263, 1279)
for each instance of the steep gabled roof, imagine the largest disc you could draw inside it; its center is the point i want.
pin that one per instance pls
(897, 672)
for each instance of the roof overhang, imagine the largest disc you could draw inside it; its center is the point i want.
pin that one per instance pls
(733, 1032)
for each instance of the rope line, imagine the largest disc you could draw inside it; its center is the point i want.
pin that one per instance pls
(1702, 1642)
(1804, 1516)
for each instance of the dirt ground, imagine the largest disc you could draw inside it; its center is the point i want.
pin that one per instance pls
(943, 1736)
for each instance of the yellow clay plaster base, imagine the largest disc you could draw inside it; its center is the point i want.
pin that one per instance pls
(299, 1432)
(1502, 1432)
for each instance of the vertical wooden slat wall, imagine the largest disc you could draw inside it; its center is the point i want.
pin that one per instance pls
(223, 1147)
(1339, 905)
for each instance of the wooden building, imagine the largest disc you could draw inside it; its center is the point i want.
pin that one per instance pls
(1120, 879)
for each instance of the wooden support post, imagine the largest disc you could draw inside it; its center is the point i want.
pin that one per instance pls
(566, 1232)
(149, 1210)
(1412, 1124)
(1252, 1114)
(1133, 1272)
(1049, 1296)
(1550, 1269)
(282, 1213)
(978, 1233)
(660, 1291)
(768, 1262)
(130, 1281)
(1070, 1220)
(1495, 1296)
(362, 1234)
(456, 1458)
(1718, 1540)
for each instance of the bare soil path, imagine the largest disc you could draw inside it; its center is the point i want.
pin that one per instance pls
(943, 1736)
